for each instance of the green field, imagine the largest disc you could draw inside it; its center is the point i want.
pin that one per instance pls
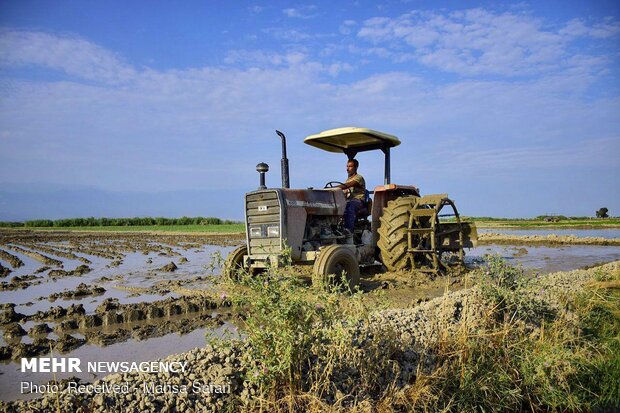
(484, 222)
(223, 228)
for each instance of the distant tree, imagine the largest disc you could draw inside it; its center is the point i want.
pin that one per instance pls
(602, 213)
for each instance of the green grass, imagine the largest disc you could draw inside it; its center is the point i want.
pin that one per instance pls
(224, 228)
(484, 222)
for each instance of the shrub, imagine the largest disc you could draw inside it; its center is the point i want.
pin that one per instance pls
(526, 357)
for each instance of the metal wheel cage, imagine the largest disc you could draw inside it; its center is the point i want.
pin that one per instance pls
(431, 208)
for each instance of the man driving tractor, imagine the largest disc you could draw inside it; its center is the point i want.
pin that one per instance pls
(405, 230)
(355, 188)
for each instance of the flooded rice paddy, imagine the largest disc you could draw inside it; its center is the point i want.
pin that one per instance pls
(544, 259)
(138, 297)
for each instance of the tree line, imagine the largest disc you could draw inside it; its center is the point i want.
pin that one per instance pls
(117, 222)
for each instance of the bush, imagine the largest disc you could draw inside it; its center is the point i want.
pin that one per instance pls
(305, 343)
(526, 357)
(6, 224)
(107, 222)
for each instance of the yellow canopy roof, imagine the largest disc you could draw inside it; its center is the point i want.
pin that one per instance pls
(349, 139)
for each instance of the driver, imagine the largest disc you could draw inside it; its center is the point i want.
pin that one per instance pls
(355, 189)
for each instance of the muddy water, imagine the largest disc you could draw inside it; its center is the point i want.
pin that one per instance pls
(581, 233)
(127, 275)
(543, 259)
(132, 350)
(135, 271)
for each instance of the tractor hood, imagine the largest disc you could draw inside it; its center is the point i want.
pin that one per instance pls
(352, 140)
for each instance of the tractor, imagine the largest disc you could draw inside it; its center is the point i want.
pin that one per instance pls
(397, 227)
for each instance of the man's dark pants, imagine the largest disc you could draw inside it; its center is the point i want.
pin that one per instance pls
(350, 212)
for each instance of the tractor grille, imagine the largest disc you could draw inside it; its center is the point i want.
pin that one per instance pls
(262, 211)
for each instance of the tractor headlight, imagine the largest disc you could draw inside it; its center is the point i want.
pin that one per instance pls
(255, 232)
(273, 231)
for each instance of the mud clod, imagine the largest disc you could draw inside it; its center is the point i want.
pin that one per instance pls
(131, 315)
(66, 343)
(9, 315)
(20, 282)
(81, 291)
(5, 353)
(80, 270)
(11, 259)
(13, 331)
(154, 312)
(39, 330)
(90, 321)
(108, 304)
(4, 271)
(37, 347)
(54, 313)
(66, 325)
(170, 267)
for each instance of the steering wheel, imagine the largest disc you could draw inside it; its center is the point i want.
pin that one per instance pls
(330, 184)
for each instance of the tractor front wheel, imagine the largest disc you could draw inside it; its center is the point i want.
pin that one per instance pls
(233, 266)
(337, 265)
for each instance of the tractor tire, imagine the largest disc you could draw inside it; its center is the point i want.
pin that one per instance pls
(332, 261)
(393, 233)
(233, 266)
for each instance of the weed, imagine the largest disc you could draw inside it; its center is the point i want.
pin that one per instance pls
(216, 262)
(508, 289)
(527, 360)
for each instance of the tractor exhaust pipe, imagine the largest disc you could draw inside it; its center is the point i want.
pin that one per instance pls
(284, 161)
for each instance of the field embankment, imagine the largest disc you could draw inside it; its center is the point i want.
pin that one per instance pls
(568, 223)
(551, 239)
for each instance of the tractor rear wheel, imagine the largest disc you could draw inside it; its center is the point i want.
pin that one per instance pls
(333, 262)
(393, 233)
(415, 234)
(233, 266)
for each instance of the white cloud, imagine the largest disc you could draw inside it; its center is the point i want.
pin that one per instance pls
(69, 54)
(477, 41)
(336, 68)
(303, 12)
(347, 27)
(290, 35)
(578, 28)
(217, 122)
(262, 58)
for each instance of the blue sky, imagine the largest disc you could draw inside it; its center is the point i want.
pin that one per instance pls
(511, 108)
